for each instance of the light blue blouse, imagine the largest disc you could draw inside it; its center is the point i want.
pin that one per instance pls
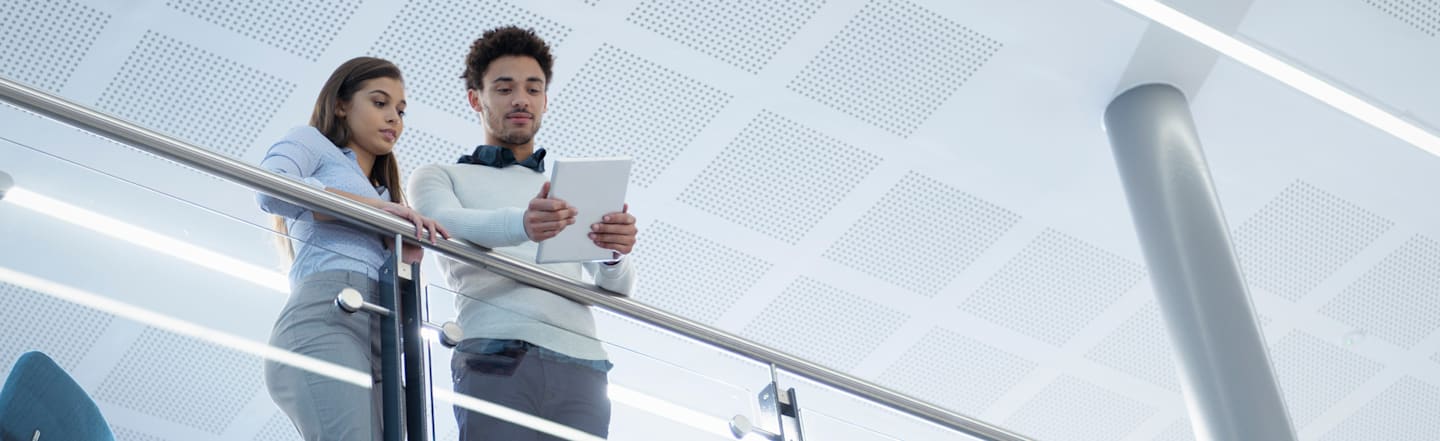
(307, 156)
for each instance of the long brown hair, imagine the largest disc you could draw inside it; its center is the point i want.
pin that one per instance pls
(341, 88)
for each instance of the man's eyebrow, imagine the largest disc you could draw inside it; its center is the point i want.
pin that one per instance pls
(500, 79)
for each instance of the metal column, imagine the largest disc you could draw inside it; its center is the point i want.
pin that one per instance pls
(1229, 388)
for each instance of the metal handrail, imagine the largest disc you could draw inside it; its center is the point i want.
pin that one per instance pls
(360, 215)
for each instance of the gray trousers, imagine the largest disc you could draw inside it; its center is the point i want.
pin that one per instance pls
(521, 378)
(325, 408)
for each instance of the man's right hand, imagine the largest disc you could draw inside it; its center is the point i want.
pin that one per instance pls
(546, 217)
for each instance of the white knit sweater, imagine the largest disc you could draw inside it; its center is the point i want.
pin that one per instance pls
(485, 206)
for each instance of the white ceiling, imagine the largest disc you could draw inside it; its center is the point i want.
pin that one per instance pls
(915, 192)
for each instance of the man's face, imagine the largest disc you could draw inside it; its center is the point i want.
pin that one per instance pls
(512, 100)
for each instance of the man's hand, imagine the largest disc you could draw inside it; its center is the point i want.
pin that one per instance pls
(546, 217)
(615, 231)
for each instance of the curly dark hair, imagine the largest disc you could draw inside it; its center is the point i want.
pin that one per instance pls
(505, 41)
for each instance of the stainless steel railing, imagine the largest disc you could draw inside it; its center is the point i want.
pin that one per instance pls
(258, 179)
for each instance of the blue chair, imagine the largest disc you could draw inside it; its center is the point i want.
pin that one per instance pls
(40, 397)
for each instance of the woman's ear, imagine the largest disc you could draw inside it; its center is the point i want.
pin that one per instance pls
(340, 108)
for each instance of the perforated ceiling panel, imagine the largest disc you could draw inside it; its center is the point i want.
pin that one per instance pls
(1398, 299)
(169, 85)
(781, 198)
(1141, 348)
(1179, 431)
(1314, 374)
(418, 147)
(947, 191)
(301, 28)
(956, 371)
(128, 434)
(183, 380)
(44, 41)
(1423, 15)
(279, 428)
(705, 276)
(824, 324)
(1074, 409)
(610, 108)
(931, 54)
(1054, 287)
(429, 40)
(33, 321)
(1301, 237)
(921, 234)
(744, 33)
(1405, 411)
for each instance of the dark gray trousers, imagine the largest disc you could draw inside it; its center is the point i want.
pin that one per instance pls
(519, 377)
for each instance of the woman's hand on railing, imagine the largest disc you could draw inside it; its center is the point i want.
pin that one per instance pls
(424, 226)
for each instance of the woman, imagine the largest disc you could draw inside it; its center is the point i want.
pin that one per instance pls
(348, 150)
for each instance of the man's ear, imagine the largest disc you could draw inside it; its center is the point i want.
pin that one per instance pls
(474, 96)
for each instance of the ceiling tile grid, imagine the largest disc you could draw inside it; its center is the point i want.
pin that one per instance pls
(1074, 409)
(43, 42)
(921, 234)
(846, 71)
(1398, 299)
(745, 34)
(956, 371)
(611, 99)
(759, 180)
(824, 324)
(890, 68)
(175, 87)
(305, 29)
(180, 379)
(701, 289)
(1301, 236)
(1053, 288)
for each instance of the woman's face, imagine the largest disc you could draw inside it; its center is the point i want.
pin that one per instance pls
(375, 115)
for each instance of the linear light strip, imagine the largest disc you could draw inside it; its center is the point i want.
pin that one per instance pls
(177, 326)
(1285, 73)
(149, 239)
(265, 351)
(682, 415)
(182, 327)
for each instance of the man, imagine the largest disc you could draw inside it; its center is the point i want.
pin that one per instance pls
(524, 348)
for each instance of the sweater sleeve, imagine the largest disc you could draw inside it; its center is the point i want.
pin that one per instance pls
(618, 278)
(292, 160)
(432, 193)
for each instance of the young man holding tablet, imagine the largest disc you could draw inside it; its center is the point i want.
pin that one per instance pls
(524, 348)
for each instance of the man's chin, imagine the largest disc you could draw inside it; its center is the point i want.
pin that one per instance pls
(518, 140)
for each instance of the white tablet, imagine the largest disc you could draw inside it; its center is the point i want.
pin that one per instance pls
(594, 187)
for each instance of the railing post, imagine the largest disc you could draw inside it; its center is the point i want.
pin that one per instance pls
(391, 384)
(1229, 388)
(413, 318)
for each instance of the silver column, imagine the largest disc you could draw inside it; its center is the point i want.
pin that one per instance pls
(1229, 388)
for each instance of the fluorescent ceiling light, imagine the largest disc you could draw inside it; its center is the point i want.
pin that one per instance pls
(683, 415)
(1285, 73)
(241, 344)
(181, 327)
(121, 230)
(279, 282)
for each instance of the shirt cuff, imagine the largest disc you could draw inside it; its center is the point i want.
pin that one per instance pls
(515, 220)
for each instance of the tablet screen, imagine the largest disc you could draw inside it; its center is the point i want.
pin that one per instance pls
(594, 187)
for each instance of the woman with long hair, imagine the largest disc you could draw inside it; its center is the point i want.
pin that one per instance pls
(347, 149)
